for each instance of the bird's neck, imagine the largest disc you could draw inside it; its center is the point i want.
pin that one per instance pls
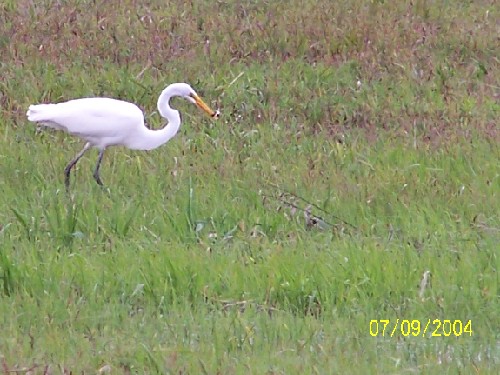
(151, 139)
(164, 103)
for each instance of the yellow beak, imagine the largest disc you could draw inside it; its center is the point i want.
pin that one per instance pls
(200, 103)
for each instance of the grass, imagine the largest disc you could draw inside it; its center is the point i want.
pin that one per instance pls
(358, 149)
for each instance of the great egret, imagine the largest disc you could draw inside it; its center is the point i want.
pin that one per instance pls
(104, 122)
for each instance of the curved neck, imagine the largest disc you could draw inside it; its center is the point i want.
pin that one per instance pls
(163, 103)
(151, 139)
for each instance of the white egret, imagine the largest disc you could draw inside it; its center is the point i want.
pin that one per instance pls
(104, 122)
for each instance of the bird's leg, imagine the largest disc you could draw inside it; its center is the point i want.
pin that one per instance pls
(97, 167)
(72, 163)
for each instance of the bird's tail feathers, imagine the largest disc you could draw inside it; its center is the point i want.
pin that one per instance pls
(39, 112)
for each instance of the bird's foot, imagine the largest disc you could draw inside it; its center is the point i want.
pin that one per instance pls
(97, 179)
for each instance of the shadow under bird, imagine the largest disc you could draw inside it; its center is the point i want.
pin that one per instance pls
(105, 122)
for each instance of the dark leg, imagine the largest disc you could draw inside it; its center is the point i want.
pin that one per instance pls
(97, 167)
(72, 163)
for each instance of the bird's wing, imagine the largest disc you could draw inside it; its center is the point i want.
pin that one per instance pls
(89, 117)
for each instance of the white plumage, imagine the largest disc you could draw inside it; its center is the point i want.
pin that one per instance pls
(105, 122)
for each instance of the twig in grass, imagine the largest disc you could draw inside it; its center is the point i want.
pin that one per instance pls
(19, 370)
(424, 283)
(315, 221)
(235, 79)
(241, 306)
(141, 73)
(308, 208)
(310, 219)
(296, 196)
(203, 367)
(106, 369)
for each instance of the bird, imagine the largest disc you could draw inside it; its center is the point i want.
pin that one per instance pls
(104, 122)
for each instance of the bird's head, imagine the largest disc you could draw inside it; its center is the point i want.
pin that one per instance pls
(187, 92)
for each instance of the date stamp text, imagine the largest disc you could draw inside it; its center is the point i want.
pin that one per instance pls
(414, 327)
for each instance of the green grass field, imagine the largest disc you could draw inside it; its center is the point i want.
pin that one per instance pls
(357, 151)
